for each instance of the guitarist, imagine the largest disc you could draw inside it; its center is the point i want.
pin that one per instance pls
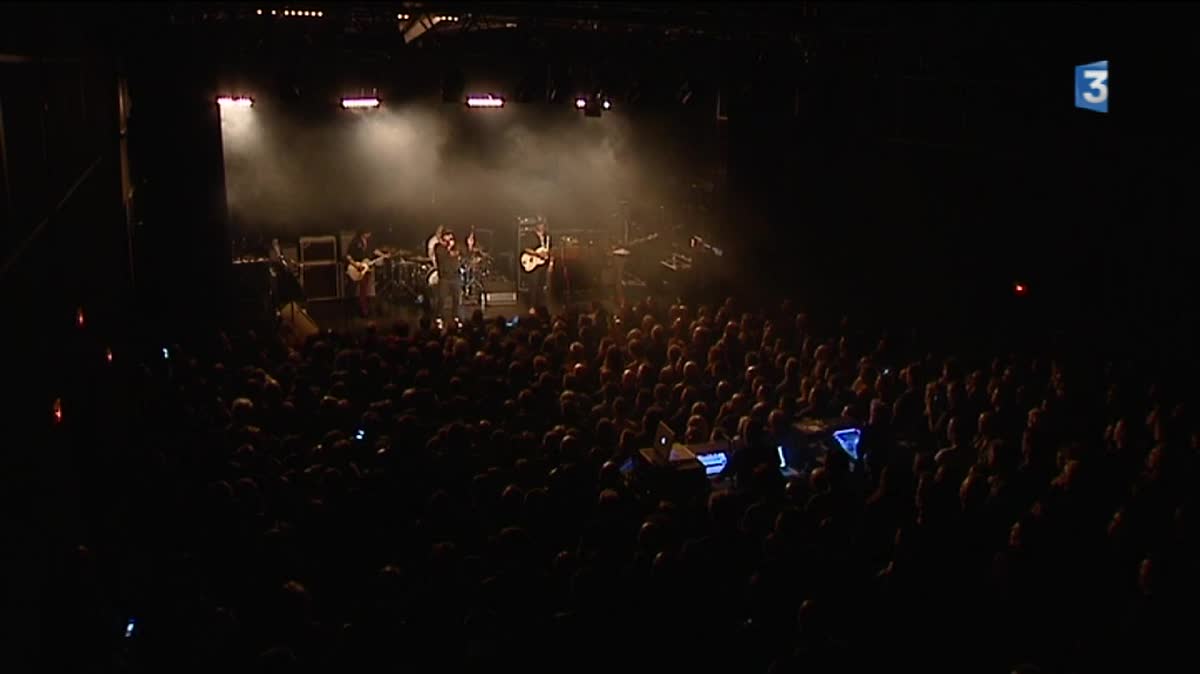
(537, 243)
(357, 255)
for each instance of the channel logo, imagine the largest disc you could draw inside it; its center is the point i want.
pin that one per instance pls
(1091, 86)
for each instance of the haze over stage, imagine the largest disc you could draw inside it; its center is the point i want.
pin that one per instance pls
(417, 164)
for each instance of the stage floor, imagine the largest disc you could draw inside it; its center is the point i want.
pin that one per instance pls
(342, 314)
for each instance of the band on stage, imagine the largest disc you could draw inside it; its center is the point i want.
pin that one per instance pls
(454, 269)
(446, 270)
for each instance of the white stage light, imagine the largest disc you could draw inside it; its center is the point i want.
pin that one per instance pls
(485, 101)
(607, 104)
(238, 102)
(580, 103)
(350, 103)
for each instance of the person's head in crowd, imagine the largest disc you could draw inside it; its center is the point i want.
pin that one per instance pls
(956, 433)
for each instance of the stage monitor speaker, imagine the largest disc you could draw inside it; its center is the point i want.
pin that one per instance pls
(502, 299)
(295, 324)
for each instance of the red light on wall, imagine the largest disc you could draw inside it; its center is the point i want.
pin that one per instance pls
(1020, 289)
(79, 317)
(58, 411)
(108, 355)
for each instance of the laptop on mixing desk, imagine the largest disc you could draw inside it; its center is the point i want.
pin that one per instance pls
(665, 449)
(664, 439)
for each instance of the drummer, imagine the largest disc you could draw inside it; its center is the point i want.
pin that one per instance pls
(472, 243)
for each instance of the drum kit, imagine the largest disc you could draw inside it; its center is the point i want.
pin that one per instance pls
(408, 274)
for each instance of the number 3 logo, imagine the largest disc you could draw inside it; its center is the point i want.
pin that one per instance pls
(1098, 82)
(1091, 86)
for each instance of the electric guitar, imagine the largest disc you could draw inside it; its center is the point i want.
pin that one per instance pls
(533, 258)
(357, 270)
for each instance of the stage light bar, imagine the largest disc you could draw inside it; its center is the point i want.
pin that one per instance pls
(359, 103)
(235, 102)
(580, 103)
(485, 101)
(403, 17)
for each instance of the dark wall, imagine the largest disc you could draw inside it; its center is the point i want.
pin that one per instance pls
(932, 162)
(181, 225)
(62, 248)
(62, 227)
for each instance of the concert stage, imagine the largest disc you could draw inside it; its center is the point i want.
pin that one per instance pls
(342, 314)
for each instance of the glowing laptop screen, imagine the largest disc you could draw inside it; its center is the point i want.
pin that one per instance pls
(848, 439)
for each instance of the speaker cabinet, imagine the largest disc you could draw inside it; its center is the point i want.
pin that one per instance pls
(321, 280)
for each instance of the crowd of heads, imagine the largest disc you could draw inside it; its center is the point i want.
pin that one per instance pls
(461, 499)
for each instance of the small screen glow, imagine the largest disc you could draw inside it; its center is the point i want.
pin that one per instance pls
(848, 440)
(713, 463)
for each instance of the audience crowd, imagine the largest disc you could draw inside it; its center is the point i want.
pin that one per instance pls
(416, 499)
